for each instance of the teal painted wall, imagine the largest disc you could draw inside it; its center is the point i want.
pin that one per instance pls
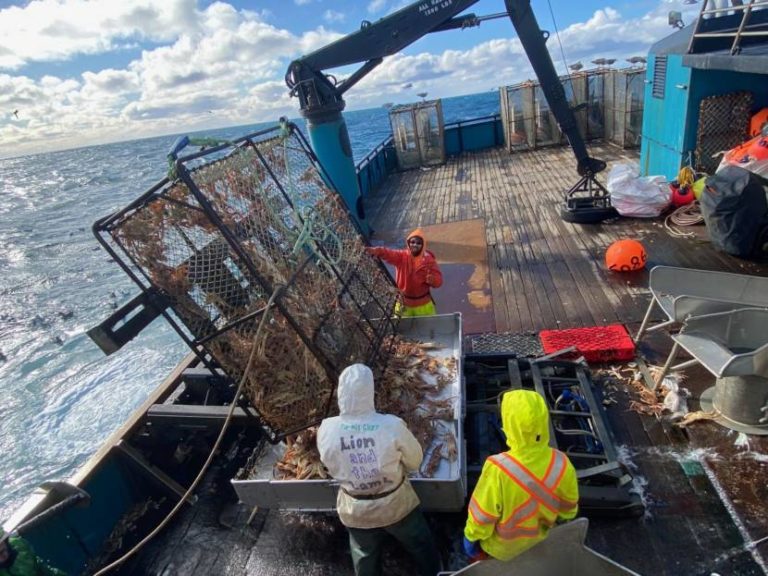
(670, 124)
(664, 144)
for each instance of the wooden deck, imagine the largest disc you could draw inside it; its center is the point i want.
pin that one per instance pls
(705, 494)
(544, 273)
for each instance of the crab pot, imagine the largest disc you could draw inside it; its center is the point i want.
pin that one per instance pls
(595, 100)
(517, 114)
(528, 121)
(575, 87)
(248, 223)
(444, 491)
(418, 131)
(624, 96)
(544, 121)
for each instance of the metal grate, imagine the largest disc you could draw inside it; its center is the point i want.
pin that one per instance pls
(659, 77)
(723, 124)
(525, 344)
(241, 221)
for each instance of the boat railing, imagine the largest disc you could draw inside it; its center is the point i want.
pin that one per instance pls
(729, 27)
(473, 134)
(376, 166)
(460, 136)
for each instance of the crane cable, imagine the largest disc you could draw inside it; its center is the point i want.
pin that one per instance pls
(565, 65)
(278, 290)
(559, 42)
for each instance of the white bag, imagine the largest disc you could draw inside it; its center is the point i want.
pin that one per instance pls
(637, 197)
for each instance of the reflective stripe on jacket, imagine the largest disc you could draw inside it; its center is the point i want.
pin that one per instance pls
(523, 492)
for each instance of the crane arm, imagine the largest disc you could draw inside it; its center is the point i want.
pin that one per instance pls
(534, 41)
(318, 91)
(321, 95)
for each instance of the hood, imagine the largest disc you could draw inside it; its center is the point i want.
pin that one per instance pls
(355, 390)
(525, 419)
(418, 232)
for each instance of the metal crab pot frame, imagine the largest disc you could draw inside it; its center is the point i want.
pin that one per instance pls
(418, 131)
(624, 97)
(607, 103)
(240, 224)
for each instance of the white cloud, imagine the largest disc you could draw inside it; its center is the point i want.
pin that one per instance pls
(334, 16)
(221, 66)
(376, 6)
(51, 30)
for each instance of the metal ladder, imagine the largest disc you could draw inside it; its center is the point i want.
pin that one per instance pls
(742, 31)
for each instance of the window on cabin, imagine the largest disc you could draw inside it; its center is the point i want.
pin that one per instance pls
(659, 76)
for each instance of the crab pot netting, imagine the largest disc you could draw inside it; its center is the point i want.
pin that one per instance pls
(218, 241)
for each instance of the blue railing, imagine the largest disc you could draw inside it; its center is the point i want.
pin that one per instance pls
(462, 136)
(474, 134)
(377, 166)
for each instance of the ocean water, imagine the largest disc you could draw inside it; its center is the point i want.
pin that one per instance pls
(60, 397)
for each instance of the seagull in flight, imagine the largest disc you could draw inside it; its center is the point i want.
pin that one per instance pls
(576, 67)
(16, 113)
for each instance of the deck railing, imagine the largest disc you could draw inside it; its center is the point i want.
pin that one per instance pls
(462, 136)
(729, 27)
(475, 134)
(376, 166)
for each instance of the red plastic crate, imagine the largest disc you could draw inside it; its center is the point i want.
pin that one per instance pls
(596, 343)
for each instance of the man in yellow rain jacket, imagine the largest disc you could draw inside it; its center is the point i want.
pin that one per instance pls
(521, 493)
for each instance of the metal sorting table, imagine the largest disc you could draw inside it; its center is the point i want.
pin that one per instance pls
(445, 491)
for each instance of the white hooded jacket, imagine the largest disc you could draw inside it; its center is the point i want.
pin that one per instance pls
(369, 454)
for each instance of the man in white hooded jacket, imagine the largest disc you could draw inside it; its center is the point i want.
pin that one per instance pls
(370, 454)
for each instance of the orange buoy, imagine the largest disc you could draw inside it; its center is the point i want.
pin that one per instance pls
(625, 256)
(758, 148)
(758, 123)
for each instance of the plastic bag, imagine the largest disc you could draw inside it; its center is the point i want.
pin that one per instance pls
(637, 197)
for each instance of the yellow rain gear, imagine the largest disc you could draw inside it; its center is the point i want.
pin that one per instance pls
(521, 493)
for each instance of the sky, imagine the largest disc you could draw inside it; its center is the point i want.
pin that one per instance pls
(80, 72)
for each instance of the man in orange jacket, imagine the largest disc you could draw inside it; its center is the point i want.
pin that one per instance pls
(416, 273)
(524, 491)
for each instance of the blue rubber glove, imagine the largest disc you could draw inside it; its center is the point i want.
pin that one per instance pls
(472, 549)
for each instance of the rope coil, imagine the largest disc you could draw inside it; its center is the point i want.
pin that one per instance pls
(687, 215)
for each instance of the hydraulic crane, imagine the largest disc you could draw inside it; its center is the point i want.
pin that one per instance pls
(321, 95)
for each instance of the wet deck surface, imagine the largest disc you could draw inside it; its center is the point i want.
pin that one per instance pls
(705, 495)
(544, 273)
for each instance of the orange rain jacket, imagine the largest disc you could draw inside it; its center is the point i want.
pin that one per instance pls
(414, 275)
(521, 493)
